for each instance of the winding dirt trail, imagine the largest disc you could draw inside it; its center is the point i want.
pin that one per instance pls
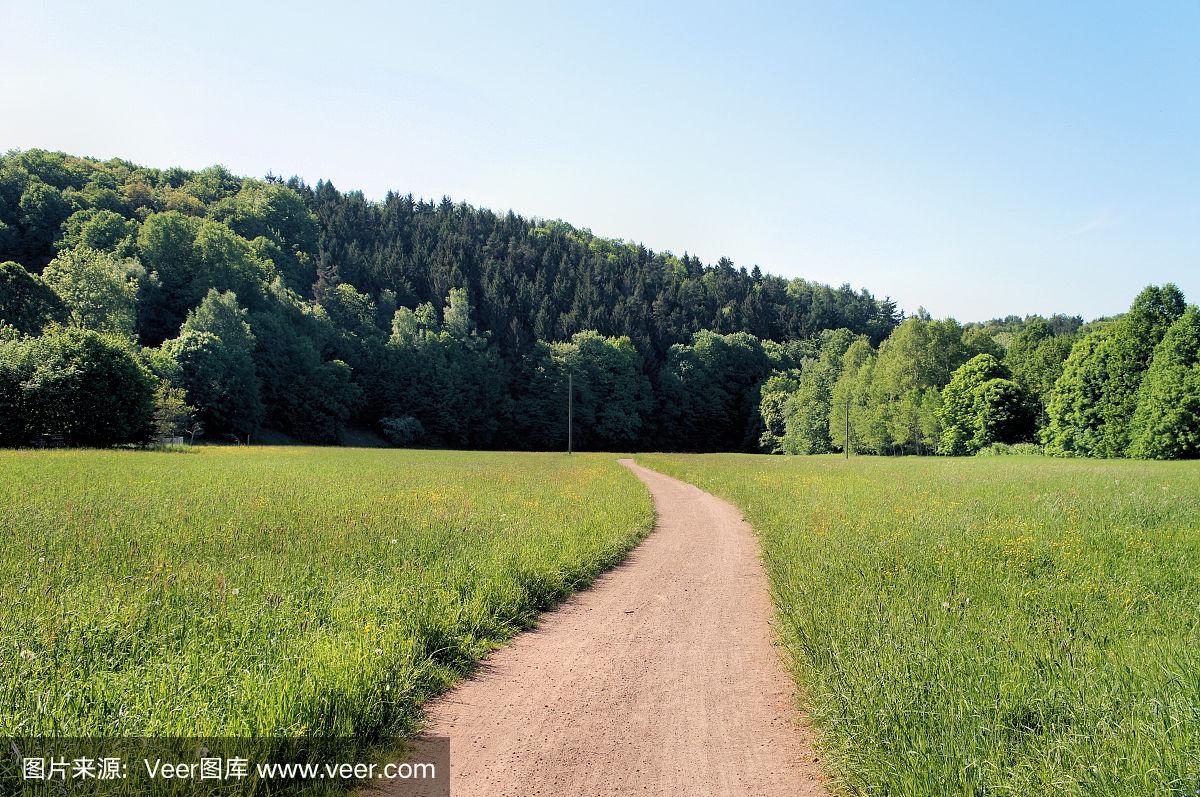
(659, 680)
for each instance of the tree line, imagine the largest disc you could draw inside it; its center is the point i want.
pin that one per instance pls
(1122, 387)
(240, 305)
(138, 303)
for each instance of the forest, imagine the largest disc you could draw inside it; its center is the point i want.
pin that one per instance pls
(141, 304)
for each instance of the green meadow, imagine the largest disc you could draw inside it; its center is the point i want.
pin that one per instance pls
(991, 625)
(987, 625)
(281, 591)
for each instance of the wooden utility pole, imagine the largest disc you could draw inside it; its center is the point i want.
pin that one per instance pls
(570, 408)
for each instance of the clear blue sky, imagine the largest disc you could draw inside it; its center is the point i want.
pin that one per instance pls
(1028, 157)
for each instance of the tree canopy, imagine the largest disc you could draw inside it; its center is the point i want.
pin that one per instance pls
(1093, 402)
(1166, 422)
(981, 405)
(266, 304)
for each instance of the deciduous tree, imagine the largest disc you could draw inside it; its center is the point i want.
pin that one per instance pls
(100, 292)
(215, 351)
(981, 405)
(1166, 423)
(26, 303)
(85, 387)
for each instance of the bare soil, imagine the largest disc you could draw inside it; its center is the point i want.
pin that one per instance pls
(661, 679)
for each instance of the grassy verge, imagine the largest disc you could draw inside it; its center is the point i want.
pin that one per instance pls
(288, 591)
(994, 626)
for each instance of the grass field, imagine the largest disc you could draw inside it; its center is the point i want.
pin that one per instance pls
(253, 591)
(1000, 626)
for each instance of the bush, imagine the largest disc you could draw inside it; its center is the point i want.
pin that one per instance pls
(81, 386)
(1007, 449)
(403, 431)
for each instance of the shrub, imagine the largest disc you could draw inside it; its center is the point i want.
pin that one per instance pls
(403, 431)
(83, 386)
(1006, 449)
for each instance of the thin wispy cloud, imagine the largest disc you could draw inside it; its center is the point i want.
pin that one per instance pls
(1102, 219)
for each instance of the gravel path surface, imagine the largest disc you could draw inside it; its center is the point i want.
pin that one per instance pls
(661, 679)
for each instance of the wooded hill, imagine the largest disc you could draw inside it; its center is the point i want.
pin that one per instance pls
(138, 302)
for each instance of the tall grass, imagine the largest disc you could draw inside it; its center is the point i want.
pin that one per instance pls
(287, 591)
(999, 626)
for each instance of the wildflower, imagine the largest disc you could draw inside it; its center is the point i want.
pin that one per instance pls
(28, 655)
(393, 541)
(41, 560)
(378, 651)
(234, 591)
(945, 604)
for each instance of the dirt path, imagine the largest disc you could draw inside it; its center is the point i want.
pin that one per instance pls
(659, 680)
